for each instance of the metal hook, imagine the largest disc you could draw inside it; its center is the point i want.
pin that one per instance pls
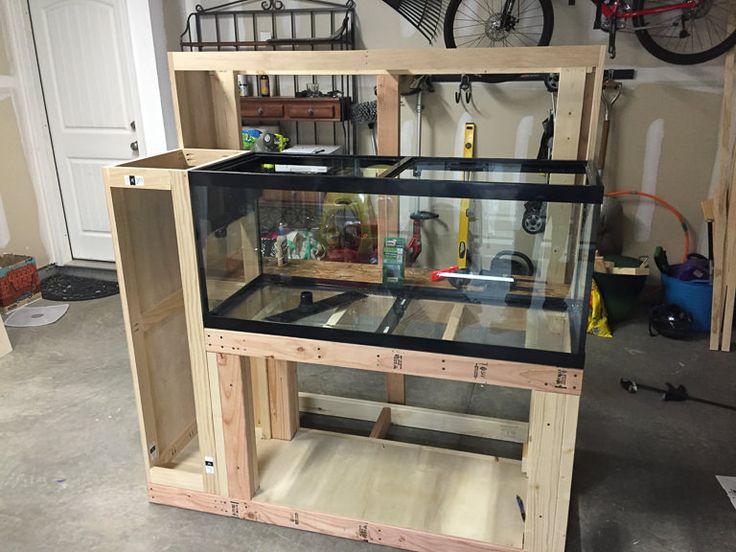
(466, 86)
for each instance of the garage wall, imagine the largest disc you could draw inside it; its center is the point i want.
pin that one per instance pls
(664, 131)
(4, 61)
(19, 219)
(663, 137)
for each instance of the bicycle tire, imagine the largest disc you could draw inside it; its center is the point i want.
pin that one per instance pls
(450, 41)
(657, 50)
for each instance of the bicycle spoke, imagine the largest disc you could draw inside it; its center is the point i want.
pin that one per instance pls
(704, 27)
(478, 23)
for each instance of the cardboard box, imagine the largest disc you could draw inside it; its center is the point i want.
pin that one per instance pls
(394, 250)
(19, 281)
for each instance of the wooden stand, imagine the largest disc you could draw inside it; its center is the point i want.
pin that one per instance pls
(219, 410)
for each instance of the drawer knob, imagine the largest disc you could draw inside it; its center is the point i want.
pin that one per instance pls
(310, 111)
(259, 111)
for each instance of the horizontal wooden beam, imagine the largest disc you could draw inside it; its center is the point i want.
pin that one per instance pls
(147, 178)
(317, 522)
(540, 377)
(413, 416)
(184, 479)
(427, 61)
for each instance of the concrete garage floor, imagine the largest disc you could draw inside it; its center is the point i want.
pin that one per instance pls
(72, 477)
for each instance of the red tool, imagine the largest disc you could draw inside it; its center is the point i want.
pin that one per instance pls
(436, 273)
(414, 247)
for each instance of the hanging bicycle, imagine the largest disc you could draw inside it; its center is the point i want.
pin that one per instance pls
(683, 32)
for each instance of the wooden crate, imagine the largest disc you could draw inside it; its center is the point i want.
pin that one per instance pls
(222, 407)
(19, 282)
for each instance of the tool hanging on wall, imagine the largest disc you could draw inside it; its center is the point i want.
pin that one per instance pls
(611, 94)
(424, 15)
(611, 221)
(465, 88)
(534, 220)
(463, 234)
(417, 88)
(366, 113)
(464, 231)
(414, 247)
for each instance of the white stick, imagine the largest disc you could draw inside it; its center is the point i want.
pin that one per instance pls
(476, 277)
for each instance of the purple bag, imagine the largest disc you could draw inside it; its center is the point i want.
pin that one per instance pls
(696, 267)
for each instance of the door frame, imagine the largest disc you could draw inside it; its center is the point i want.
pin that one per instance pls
(33, 123)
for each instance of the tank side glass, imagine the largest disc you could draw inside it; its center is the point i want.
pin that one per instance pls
(490, 272)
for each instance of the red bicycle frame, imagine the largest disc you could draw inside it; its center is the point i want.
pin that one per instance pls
(612, 10)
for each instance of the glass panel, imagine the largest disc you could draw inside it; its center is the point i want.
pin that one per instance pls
(476, 272)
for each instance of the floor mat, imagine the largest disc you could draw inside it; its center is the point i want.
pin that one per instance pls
(64, 287)
(29, 317)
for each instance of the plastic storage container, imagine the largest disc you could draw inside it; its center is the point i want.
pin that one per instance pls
(695, 297)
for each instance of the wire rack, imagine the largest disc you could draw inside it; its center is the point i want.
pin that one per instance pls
(313, 25)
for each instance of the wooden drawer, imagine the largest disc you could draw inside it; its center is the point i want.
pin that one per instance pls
(262, 110)
(291, 109)
(312, 111)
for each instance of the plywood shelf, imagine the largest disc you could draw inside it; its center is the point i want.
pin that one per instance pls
(439, 491)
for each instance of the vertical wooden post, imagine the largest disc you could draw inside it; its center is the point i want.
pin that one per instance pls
(226, 109)
(195, 332)
(568, 127)
(283, 398)
(389, 141)
(389, 116)
(552, 431)
(388, 138)
(261, 404)
(718, 339)
(236, 400)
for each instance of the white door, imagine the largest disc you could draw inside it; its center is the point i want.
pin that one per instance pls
(84, 56)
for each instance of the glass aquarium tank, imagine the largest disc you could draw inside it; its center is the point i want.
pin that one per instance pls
(489, 258)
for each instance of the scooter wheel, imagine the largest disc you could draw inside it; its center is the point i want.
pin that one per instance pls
(458, 283)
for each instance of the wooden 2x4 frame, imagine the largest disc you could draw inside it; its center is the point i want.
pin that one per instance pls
(219, 410)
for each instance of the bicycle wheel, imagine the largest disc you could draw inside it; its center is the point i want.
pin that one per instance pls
(688, 36)
(477, 24)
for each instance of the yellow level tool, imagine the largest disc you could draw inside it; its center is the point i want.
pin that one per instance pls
(464, 232)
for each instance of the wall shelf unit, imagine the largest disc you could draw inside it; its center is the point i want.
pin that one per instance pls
(276, 26)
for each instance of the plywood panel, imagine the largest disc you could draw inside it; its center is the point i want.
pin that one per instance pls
(193, 109)
(424, 488)
(149, 278)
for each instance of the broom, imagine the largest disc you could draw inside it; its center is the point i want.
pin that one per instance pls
(366, 113)
(424, 15)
